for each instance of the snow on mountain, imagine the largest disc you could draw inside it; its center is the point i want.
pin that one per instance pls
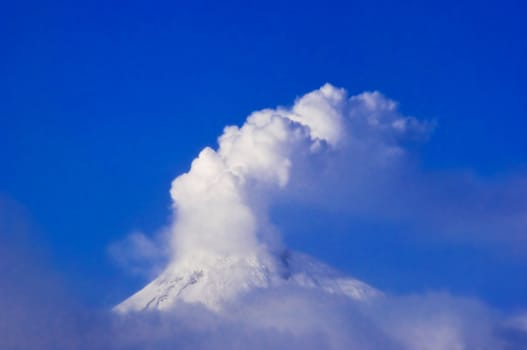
(215, 280)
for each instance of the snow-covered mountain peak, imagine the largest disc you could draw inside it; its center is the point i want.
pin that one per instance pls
(215, 280)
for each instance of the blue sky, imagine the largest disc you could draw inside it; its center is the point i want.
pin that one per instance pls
(102, 104)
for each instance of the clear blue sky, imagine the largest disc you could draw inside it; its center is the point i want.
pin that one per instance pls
(103, 103)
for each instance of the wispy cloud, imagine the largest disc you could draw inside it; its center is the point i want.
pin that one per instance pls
(141, 255)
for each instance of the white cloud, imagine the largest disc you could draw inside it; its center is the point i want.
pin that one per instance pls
(141, 255)
(221, 202)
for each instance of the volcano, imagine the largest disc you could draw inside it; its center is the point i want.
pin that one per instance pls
(223, 242)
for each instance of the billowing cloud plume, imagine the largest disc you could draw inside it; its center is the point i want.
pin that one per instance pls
(221, 202)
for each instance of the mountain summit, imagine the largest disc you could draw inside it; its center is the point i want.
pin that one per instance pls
(215, 280)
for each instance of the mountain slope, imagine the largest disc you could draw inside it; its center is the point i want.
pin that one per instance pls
(214, 280)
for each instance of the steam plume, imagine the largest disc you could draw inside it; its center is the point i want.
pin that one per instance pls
(220, 202)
